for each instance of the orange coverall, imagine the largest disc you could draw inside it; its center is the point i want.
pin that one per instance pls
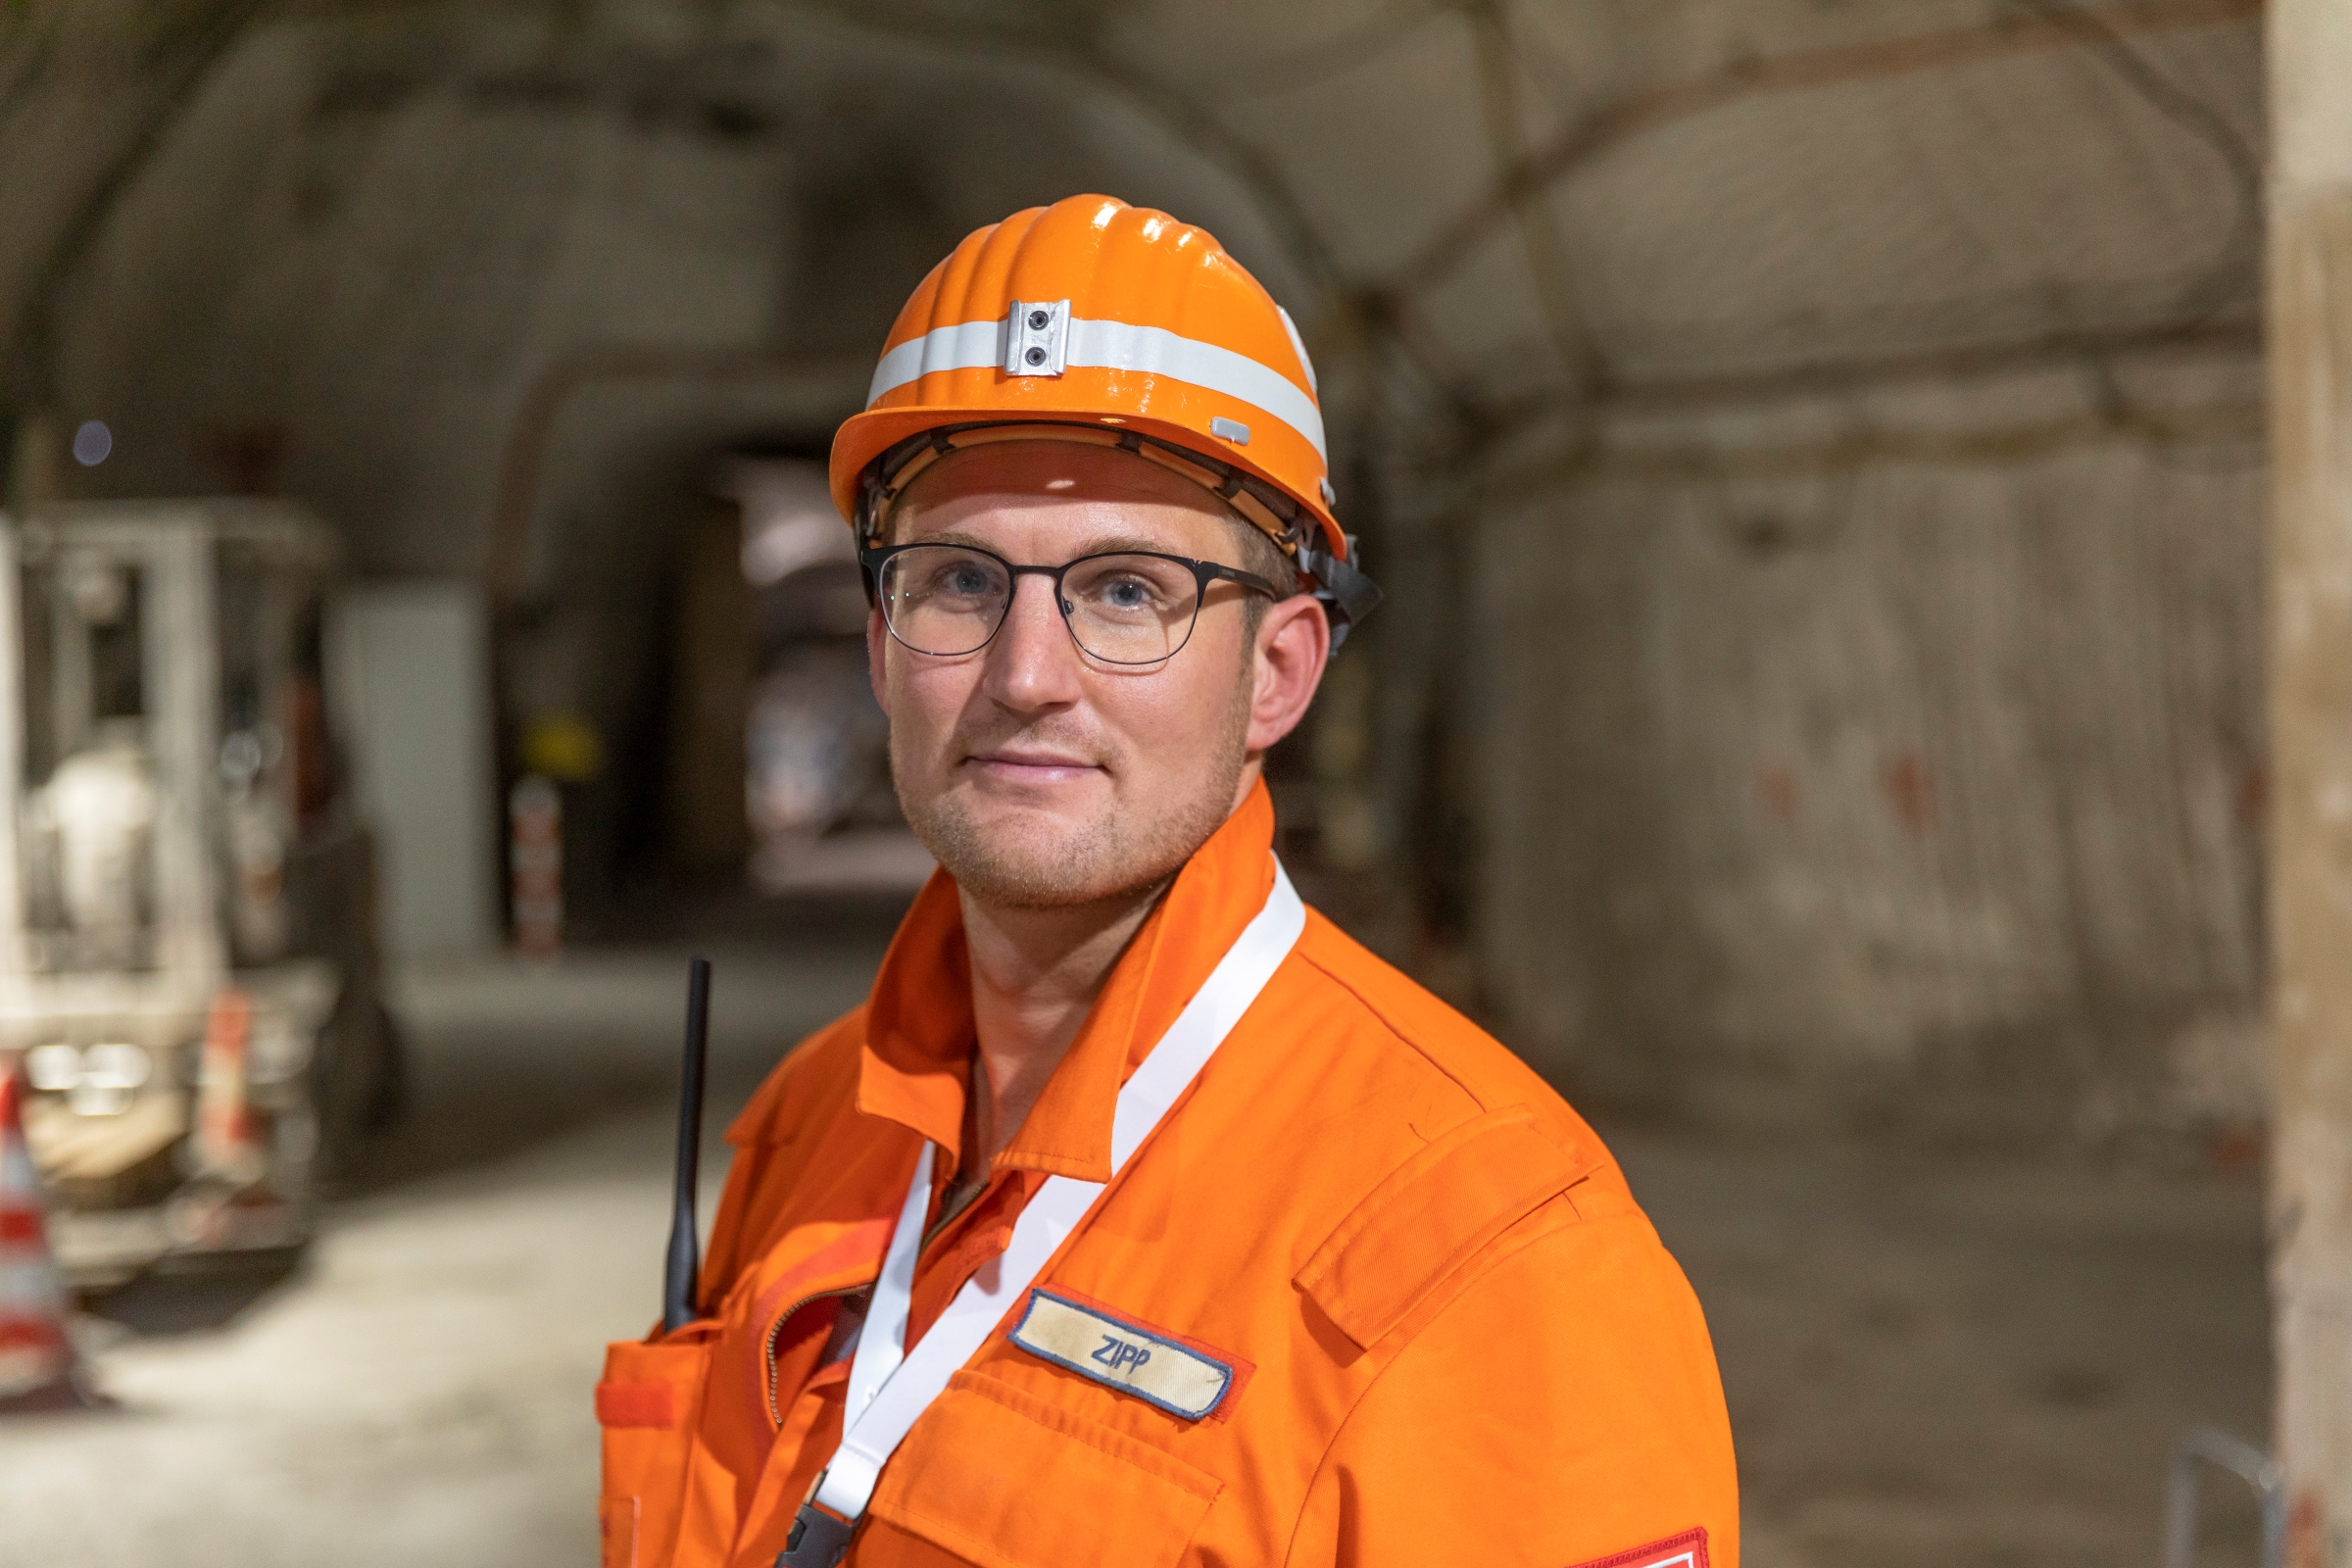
(1453, 1337)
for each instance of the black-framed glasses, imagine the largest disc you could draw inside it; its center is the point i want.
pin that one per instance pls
(1122, 606)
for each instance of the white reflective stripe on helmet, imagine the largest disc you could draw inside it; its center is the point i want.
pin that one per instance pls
(969, 347)
(1298, 346)
(1112, 346)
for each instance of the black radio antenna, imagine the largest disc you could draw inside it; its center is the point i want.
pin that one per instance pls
(681, 1278)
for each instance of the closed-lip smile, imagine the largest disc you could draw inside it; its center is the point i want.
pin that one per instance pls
(1021, 759)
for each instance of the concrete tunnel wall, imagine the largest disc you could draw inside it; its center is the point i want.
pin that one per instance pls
(1804, 746)
(1929, 788)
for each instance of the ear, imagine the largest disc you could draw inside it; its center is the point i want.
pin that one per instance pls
(877, 647)
(1293, 644)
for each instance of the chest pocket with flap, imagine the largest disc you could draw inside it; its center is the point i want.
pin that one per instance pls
(998, 1477)
(1432, 1215)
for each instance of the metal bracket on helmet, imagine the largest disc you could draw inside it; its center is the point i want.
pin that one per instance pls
(1037, 337)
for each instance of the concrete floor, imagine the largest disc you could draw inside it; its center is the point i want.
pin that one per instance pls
(1931, 1360)
(1967, 1359)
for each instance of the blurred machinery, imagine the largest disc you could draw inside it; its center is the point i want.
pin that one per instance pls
(816, 748)
(188, 964)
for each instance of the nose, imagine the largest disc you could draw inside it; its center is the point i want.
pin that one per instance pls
(1031, 661)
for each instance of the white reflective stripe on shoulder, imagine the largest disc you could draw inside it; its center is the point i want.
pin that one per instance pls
(1059, 1207)
(1112, 346)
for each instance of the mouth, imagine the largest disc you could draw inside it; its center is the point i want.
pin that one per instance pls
(1019, 765)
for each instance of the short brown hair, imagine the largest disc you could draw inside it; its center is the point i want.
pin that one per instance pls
(1261, 556)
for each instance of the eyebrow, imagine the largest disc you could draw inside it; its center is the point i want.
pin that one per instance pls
(1102, 544)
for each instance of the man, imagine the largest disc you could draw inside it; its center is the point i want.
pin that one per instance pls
(1141, 1217)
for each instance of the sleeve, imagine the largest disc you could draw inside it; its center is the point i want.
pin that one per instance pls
(1563, 1410)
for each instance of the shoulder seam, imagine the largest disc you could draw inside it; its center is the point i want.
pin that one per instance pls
(1391, 1025)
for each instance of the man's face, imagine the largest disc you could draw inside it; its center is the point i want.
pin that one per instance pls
(1037, 776)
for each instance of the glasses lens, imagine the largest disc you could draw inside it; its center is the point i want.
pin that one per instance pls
(1130, 609)
(944, 599)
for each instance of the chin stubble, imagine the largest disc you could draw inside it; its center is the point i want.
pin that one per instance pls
(1111, 859)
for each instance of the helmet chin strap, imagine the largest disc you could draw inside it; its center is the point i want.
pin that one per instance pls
(1346, 593)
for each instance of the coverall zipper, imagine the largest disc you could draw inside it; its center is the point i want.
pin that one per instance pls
(775, 1412)
(953, 1211)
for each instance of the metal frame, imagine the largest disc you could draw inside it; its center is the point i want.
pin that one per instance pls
(2257, 1469)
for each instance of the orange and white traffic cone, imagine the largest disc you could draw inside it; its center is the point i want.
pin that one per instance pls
(37, 1369)
(230, 1142)
(228, 1136)
(535, 828)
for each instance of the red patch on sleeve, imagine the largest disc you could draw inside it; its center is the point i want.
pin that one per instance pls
(1685, 1550)
(636, 1405)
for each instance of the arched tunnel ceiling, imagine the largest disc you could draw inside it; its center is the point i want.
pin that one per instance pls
(1547, 196)
(1554, 199)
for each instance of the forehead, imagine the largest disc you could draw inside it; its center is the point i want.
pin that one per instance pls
(1060, 490)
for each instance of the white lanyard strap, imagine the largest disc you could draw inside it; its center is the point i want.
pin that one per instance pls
(890, 1387)
(882, 1342)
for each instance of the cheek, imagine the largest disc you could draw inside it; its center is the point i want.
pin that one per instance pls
(1177, 718)
(924, 699)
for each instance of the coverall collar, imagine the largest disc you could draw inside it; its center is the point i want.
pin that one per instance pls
(916, 1064)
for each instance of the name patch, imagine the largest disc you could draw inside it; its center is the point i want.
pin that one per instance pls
(1122, 1355)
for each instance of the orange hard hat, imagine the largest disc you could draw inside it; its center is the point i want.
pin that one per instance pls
(1093, 321)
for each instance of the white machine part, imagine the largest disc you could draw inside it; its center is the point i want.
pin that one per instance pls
(99, 811)
(188, 966)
